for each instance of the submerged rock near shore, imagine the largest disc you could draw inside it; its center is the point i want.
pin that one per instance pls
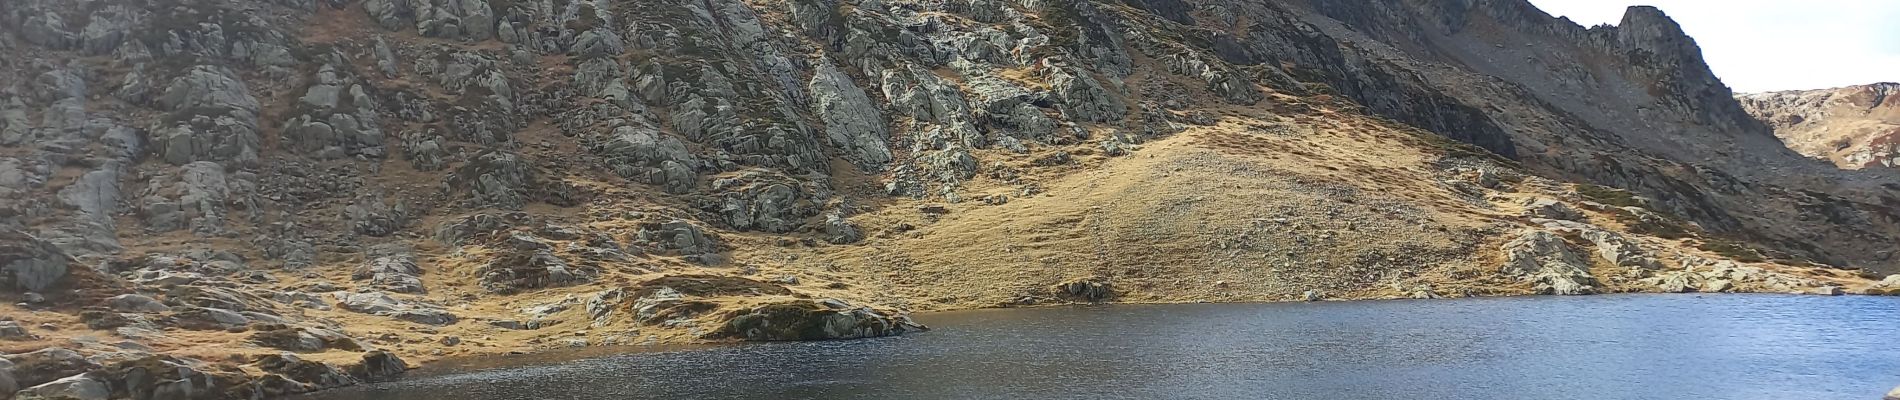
(814, 320)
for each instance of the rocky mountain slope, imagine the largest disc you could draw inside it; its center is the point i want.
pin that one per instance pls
(263, 197)
(1853, 127)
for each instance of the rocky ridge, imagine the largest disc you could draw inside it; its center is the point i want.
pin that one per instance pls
(1854, 127)
(270, 197)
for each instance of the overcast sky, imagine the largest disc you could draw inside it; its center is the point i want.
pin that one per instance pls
(1764, 45)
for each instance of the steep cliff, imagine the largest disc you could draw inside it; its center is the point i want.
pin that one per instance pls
(270, 197)
(1630, 106)
(1854, 127)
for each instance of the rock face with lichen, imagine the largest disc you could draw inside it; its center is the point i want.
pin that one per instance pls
(1550, 264)
(30, 264)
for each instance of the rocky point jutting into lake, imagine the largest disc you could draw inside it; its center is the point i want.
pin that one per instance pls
(210, 199)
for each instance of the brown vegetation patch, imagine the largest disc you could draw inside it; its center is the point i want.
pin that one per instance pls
(711, 286)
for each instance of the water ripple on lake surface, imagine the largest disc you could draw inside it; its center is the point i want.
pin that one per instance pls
(1592, 347)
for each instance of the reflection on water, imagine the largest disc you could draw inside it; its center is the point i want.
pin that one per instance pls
(1595, 347)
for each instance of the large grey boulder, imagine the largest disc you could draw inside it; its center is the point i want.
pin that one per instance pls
(15, 127)
(602, 78)
(386, 58)
(949, 166)
(107, 29)
(840, 231)
(467, 19)
(336, 118)
(457, 19)
(137, 86)
(207, 138)
(197, 198)
(597, 43)
(305, 339)
(457, 232)
(532, 269)
(371, 215)
(60, 84)
(1890, 286)
(852, 122)
(367, 302)
(76, 387)
(64, 115)
(378, 365)
(382, 304)
(926, 98)
(1231, 85)
(1094, 290)
(124, 143)
(1551, 209)
(471, 73)
(50, 364)
(309, 375)
(425, 151)
(206, 319)
(1551, 265)
(651, 308)
(50, 30)
(1084, 98)
(1621, 251)
(646, 155)
(1682, 281)
(82, 235)
(30, 264)
(11, 330)
(19, 175)
(208, 89)
(765, 206)
(1749, 278)
(156, 377)
(496, 179)
(677, 237)
(394, 272)
(1010, 109)
(136, 303)
(391, 14)
(1613, 247)
(96, 193)
(8, 384)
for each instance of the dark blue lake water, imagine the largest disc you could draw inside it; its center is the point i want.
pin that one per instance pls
(1590, 347)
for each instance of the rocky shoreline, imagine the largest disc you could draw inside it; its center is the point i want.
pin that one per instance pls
(200, 324)
(126, 328)
(122, 370)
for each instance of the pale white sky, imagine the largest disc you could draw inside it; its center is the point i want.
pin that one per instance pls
(1764, 45)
